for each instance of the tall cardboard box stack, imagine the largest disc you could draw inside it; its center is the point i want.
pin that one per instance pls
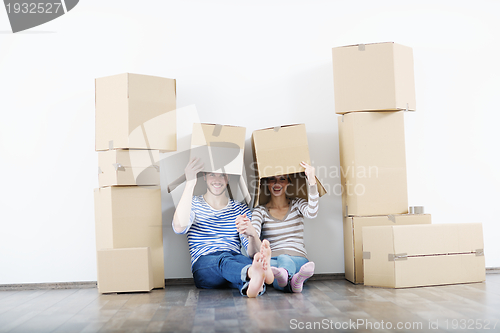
(373, 86)
(135, 121)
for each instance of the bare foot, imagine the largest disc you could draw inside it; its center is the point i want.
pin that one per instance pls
(265, 250)
(257, 274)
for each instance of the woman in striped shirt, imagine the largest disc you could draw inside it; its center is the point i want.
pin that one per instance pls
(281, 221)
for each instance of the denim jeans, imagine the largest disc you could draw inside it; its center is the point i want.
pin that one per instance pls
(291, 263)
(222, 269)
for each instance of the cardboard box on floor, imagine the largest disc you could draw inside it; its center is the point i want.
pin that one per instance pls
(373, 163)
(279, 151)
(221, 149)
(124, 270)
(373, 77)
(129, 167)
(423, 255)
(130, 216)
(135, 111)
(353, 238)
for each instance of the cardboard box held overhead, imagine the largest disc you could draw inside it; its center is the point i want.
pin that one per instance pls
(373, 163)
(124, 270)
(353, 238)
(221, 150)
(130, 216)
(423, 255)
(373, 77)
(135, 111)
(129, 167)
(279, 151)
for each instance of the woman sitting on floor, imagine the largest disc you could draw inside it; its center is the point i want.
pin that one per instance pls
(281, 221)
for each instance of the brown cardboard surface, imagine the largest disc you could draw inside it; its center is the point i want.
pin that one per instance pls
(425, 255)
(353, 238)
(221, 150)
(373, 163)
(373, 77)
(124, 270)
(279, 151)
(130, 216)
(135, 111)
(219, 147)
(129, 167)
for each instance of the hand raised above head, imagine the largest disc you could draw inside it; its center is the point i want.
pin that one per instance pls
(194, 166)
(310, 172)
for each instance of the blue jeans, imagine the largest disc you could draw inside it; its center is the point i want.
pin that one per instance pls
(222, 269)
(292, 264)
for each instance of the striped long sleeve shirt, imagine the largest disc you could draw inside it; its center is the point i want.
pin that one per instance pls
(211, 230)
(287, 236)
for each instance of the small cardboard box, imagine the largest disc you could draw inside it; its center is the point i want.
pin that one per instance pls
(423, 255)
(131, 216)
(135, 111)
(279, 151)
(124, 270)
(373, 163)
(353, 238)
(221, 150)
(373, 77)
(128, 167)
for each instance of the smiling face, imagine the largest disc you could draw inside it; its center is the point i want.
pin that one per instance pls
(277, 185)
(216, 182)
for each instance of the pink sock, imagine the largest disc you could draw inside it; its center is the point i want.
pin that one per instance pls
(306, 271)
(281, 275)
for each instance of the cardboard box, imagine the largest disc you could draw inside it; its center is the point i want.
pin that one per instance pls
(423, 255)
(353, 238)
(129, 167)
(124, 270)
(373, 77)
(221, 149)
(135, 111)
(373, 163)
(279, 151)
(131, 216)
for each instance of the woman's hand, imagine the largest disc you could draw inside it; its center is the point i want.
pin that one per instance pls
(244, 226)
(310, 173)
(194, 166)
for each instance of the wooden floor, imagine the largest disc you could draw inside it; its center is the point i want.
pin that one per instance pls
(323, 305)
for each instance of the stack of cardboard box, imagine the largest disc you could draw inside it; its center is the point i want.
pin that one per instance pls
(374, 85)
(135, 120)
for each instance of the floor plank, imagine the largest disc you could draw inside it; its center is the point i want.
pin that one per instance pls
(323, 305)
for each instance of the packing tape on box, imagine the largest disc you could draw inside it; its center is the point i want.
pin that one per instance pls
(392, 218)
(110, 145)
(342, 118)
(217, 130)
(479, 252)
(397, 256)
(416, 210)
(277, 128)
(118, 167)
(361, 47)
(367, 255)
(99, 171)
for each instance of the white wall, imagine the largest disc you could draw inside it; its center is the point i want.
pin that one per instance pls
(255, 64)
